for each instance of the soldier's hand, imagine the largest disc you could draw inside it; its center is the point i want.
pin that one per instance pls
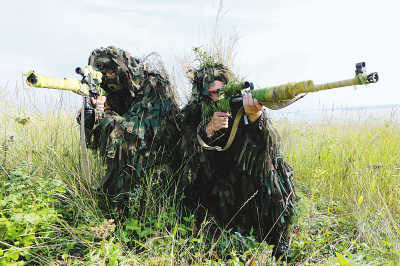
(218, 121)
(251, 107)
(99, 102)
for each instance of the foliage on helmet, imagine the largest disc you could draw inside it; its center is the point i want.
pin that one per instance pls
(208, 70)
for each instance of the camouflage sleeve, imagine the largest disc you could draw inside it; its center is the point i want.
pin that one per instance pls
(256, 146)
(218, 138)
(193, 159)
(258, 129)
(98, 138)
(191, 118)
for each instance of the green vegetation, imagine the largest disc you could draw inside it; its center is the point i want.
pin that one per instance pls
(349, 175)
(347, 178)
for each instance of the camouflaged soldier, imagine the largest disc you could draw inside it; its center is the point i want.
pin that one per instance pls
(251, 179)
(135, 127)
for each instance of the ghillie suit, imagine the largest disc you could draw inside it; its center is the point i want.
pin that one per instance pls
(249, 186)
(138, 129)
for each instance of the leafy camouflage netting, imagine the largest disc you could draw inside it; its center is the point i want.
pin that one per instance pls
(138, 129)
(251, 176)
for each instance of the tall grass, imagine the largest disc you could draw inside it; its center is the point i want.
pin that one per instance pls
(353, 167)
(347, 176)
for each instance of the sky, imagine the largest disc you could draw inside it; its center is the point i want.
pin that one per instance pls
(279, 41)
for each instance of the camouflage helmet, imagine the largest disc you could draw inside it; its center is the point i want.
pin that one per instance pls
(118, 68)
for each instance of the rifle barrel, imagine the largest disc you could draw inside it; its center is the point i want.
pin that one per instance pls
(360, 79)
(290, 90)
(33, 79)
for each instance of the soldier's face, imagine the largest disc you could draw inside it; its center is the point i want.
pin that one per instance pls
(109, 68)
(213, 89)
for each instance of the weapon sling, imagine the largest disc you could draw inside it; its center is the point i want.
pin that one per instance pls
(231, 136)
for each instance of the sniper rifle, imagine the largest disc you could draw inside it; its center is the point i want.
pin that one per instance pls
(88, 86)
(274, 97)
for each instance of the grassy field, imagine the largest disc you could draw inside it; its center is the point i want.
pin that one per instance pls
(347, 175)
